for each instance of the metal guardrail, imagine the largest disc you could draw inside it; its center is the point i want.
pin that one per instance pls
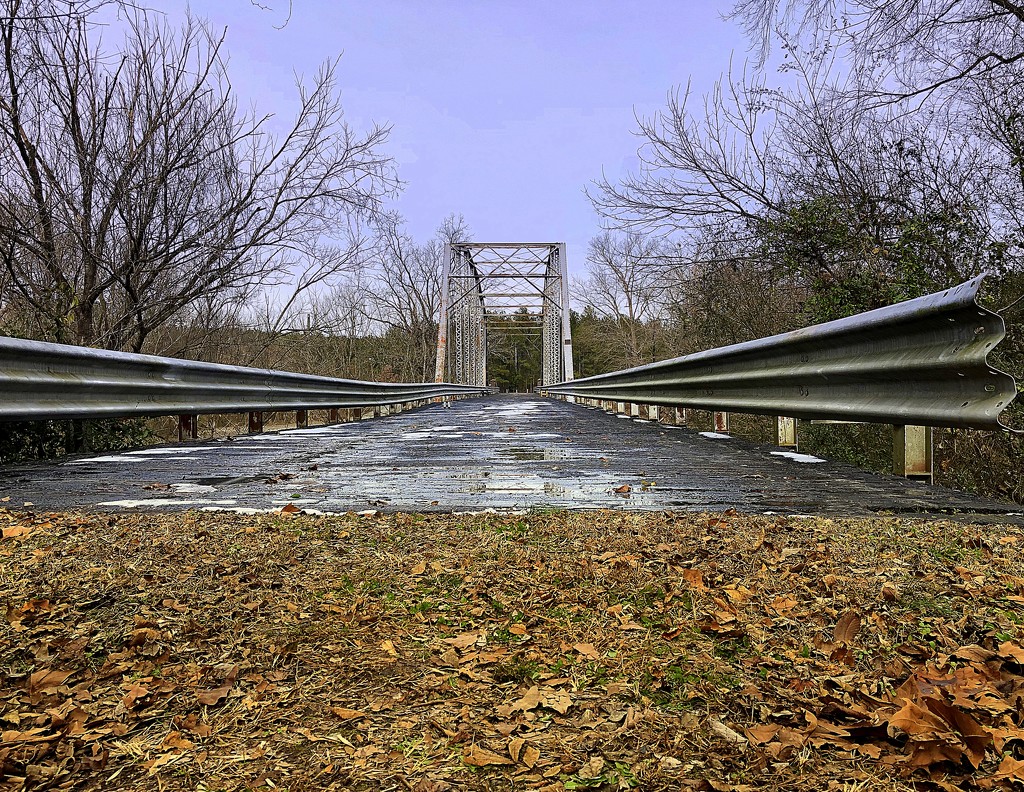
(921, 362)
(40, 381)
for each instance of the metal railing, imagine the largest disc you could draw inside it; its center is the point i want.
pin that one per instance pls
(919, 363)
(43, 381)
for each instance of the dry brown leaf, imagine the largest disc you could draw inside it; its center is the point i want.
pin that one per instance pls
(558, 700)
(44, 681)
(588, 650)
(464, 641)
(476, 756)
(847, 627)
(348, 714)
(695, 579)
(218, 694)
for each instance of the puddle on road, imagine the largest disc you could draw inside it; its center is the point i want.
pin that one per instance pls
(536, 454)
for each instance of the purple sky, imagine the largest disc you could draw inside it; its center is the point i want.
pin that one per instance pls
(503, 110)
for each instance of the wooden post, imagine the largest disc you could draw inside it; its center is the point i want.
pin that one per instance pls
(188, 427)
(786, 432)
(912, 452)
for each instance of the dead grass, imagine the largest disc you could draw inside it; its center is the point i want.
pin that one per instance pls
(592, 650)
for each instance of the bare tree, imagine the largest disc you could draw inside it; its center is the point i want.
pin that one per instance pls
(137, 187)
(624, 284)
(926, 45)
(405, 291)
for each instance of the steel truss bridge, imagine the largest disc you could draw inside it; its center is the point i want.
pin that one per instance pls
(521, 286)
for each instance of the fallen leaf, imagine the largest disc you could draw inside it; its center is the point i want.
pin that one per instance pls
(847, 627)
(695, 579)
(465, 640)
(348, 714)
(43, 681)
(218, 694)
(476, 756)
(588, 650)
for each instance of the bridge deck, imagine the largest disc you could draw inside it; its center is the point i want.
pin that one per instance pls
(497, 452)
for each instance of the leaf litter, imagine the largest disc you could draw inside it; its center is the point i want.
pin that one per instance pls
(562, 650)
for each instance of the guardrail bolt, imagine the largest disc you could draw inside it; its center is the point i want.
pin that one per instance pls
(722, 422)
(786, 432)
(188, 427)
(301, 419)
(255, 422)
(912, 452)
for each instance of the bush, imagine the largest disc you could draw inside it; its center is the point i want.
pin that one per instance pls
(25, 441)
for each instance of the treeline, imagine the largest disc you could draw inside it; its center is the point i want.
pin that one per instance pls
(146, 207)
(872, 152)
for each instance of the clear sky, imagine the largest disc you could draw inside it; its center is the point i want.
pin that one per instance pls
(502, 110)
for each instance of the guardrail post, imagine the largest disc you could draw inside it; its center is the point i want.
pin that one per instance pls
(680, 416)
(188, 427)
(75, 440)
(786, 432)
(722, 422)
(912, 452)
(255, 422)
(634, 410)
(301, 419)
(332, 416)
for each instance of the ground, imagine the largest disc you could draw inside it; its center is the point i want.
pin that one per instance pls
(550, 650)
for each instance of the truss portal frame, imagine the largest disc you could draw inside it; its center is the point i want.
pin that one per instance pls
(487, 283)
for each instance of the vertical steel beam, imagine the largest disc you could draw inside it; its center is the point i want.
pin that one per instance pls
(442, 319)
(912, 452)
(302, 419)
(721, 422)
(255, 422)
(566, 343)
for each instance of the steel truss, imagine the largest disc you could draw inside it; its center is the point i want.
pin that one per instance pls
(487, 283)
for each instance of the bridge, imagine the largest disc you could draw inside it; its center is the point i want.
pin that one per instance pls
(385, 446)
